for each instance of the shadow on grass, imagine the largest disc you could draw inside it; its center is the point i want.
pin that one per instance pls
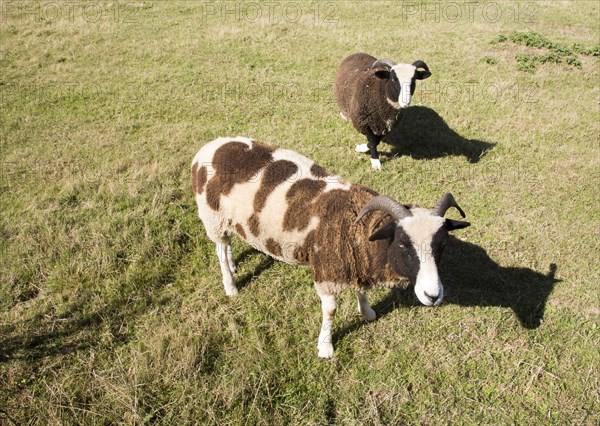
(423, 134)
(78, 329)
(472, 278)
(38, 340)
(265, 263)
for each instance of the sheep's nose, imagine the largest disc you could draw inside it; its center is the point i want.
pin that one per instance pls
(432, 298)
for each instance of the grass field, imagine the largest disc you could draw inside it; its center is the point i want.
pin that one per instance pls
(111, 304)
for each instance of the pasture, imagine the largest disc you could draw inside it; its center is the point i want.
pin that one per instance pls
(112, 309)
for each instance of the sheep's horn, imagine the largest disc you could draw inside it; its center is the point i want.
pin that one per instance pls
(383, 63)
(420, 64)
(445, 203)
(386, 205)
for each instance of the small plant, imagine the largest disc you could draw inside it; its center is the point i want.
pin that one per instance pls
(500, 39)
(531, 40)
(558, 53)
(526, 62)
(489, 60)
(594, 51)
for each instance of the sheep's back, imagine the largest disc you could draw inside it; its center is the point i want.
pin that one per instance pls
(351, 73)
(267, 196)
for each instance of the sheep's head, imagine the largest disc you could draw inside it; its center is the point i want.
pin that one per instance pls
(400, 79)
(417, 239)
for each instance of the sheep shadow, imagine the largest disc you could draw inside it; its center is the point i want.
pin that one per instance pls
(423, 134)
(472, 278)
(265, 263)
(34, 340)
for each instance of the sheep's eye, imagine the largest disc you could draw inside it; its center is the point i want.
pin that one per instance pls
(401, 245)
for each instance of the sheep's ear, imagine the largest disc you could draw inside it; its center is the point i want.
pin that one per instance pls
(384, 232)
(452, 224)
(422, 75)
(382, 74)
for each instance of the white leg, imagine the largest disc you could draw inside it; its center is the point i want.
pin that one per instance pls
(325, 344)
(222, 249)
(364, 308)
(230, 261)
(375, 163)
(362, 147)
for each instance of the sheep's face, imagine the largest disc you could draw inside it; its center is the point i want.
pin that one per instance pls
(401, 82)
(404, 78)
(416, 249)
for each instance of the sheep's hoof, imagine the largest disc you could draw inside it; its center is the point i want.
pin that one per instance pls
(325, 350)
(376, 164)
(231, 291)
(362, 147)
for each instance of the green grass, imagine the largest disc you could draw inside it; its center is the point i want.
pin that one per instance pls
(558, 53)
(111, 306)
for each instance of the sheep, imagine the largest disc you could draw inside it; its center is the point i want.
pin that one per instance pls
(287, 206)
(372, 93)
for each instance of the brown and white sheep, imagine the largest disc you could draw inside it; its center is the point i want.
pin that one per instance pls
(287, 206)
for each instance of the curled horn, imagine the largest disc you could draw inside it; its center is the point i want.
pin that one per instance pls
(383, 63)
(386, 205)
(445, 203)
(420, 64)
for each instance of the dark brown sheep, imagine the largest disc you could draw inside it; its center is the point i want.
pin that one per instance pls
(372, 93)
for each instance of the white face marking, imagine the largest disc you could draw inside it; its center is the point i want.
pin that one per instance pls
(421, 227)
(405, 74)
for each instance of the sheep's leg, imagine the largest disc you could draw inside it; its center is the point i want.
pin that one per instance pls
(230, 261)
(223, 247)
(364, 308)
(373, 141)
(328, 306)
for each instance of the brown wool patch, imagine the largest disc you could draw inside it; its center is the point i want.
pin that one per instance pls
(240, 230)
(319, 171)
(275, 174)
(253, 225)
(235, 162)
(301, 253)
(300, 196)
(349, 258)
(273, 247)
(198, 178)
